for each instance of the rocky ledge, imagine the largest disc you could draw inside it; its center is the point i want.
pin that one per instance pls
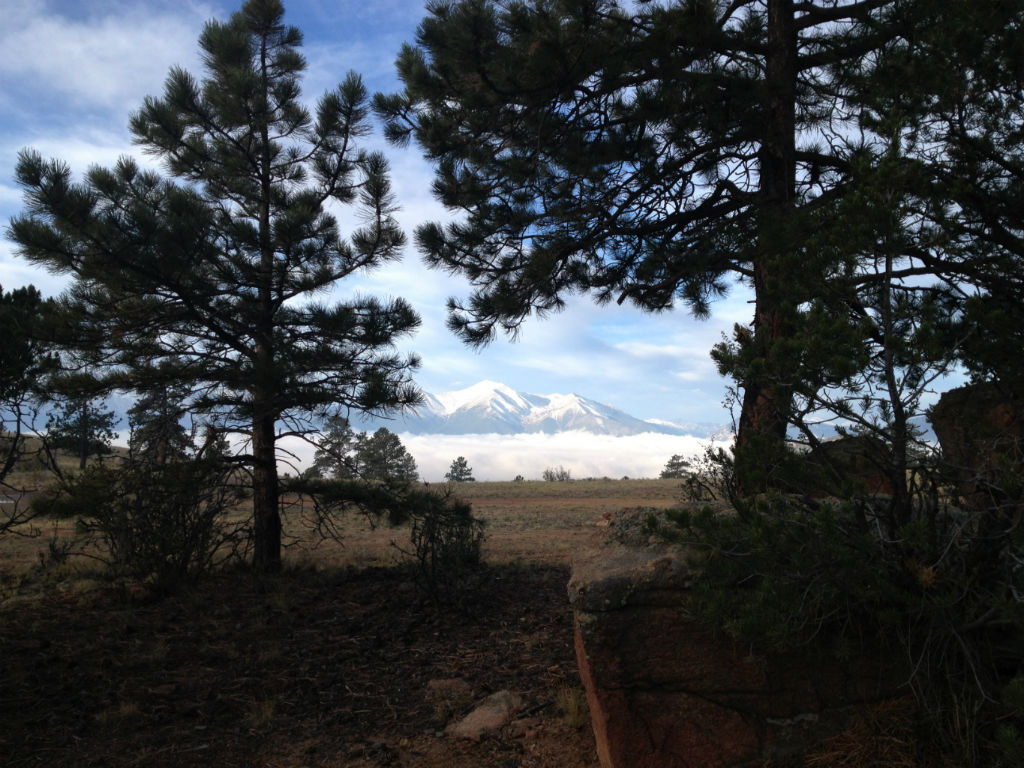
(667, 693)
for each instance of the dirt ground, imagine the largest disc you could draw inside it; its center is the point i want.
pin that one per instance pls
(340, 661)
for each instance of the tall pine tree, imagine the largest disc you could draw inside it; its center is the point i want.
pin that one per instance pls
(158, 436)
(210, 279)
(648, 155)
(23, 359)
(952, 90)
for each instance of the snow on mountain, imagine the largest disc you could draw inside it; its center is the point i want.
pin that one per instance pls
(493, 408)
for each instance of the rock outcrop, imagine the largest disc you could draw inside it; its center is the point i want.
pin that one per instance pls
(981, 432)
(666, 693)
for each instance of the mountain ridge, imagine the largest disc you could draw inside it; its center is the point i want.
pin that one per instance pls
(490, 407)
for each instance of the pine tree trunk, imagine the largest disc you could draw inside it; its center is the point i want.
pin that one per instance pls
(83, 437)
(760, 441)
(266, 517)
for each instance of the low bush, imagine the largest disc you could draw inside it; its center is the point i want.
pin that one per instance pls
(161, 524)
(944, 590)
(445, 539)
(557, 474)
(447, 544)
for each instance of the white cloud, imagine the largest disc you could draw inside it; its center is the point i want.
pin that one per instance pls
(107, 58)
(503, 457)
(648, 350)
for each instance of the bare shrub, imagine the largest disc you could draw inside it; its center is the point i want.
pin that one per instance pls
(557, 474)
(162, 524)
(445, 539)
(446, 544)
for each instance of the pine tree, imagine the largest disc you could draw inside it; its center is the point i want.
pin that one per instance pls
(382, 457)
(23, 359)
(651, 156)
(158, 436)
(334, 455)
(951, 91)
(80, 426)
(214, 274)
(460, 471)
(676, 468)
(20, 349)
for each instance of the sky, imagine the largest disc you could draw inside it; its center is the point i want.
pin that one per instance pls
(72, 71)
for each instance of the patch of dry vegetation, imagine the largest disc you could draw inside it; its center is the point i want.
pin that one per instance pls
(327, 664)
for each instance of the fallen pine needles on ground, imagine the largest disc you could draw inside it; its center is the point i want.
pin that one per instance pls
(328, 668)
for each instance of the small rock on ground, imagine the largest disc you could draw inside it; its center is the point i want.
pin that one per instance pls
(496, 710)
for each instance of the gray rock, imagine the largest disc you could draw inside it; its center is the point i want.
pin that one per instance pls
(495, 711)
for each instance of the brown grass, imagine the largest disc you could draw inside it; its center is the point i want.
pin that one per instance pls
(533, 522)
(883, 735)
(325, 665)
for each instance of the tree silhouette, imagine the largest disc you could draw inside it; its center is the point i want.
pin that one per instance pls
(382, 457)
(676, 468)
(460, 471)
(650, 155)
(80, 426)
(211, 279)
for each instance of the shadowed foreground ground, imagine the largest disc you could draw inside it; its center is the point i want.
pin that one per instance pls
(326, 665)
(306, 669)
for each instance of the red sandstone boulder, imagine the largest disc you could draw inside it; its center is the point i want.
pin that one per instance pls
(981, 432)
(665, 693)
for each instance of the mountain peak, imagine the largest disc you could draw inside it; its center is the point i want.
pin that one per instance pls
(483, 394)
(490, 407)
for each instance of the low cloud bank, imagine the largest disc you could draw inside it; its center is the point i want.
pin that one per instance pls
(503, 457)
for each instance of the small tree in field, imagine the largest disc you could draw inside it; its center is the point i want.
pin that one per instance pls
(381, 456)
(460, 471)
(676, 468)
(80, 426)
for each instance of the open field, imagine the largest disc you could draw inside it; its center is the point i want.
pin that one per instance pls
(331, 663)
(532, 522)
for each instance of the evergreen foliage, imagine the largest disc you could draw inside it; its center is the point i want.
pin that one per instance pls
(23, 358)
(344, 454)
(382, 457)
(80, 426)
(676, 468)
(460, 471)
(334, 451)
(790, 574)
(158, 436)
(654, 155)
(951, 88)
(20, 349)
(210, 277)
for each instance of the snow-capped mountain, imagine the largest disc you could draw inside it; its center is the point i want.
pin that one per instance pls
(492, 408)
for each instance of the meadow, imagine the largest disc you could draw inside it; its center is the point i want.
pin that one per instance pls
(337, 661)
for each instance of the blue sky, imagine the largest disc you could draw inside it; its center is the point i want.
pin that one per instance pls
(72, 71)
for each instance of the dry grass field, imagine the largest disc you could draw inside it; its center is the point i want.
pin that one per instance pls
(532, 522)
(331, 663)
